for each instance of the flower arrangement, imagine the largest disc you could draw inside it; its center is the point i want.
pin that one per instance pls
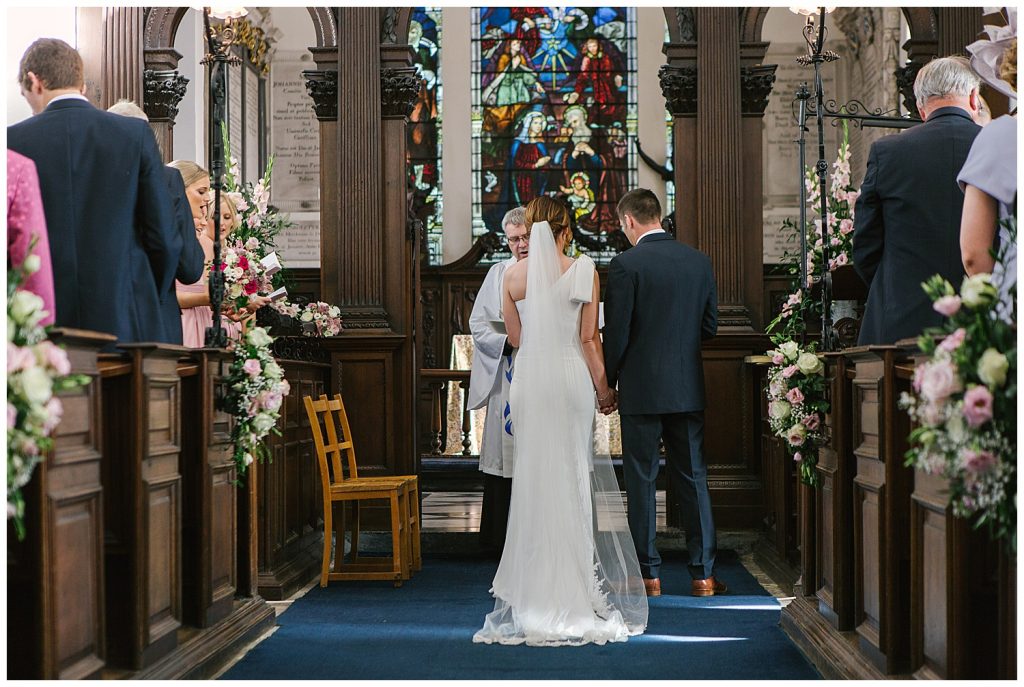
(36, 370)
(325, 319)
(798, 310)
(257, 388)
(964, 403)
(244, 274)
(797, 405)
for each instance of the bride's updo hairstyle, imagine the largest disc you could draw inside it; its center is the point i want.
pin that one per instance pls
(546, 209)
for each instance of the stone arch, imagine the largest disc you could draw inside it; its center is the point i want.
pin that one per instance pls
(751, 22)
(922, 22)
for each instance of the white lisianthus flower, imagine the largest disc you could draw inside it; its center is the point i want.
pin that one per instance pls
(248, 459)
(992, 368)
(977, 290)
(955, 427)
(36, 385)
(32, 264)
(809, 364)
(335, 311)
(273, 370)
(790, 349)
(306, 316)
(263, 422)
(779, 410)
(258, 337)
(26, 308)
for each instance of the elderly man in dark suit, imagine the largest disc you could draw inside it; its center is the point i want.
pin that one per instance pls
(660, 304)
(907, 223)
(191, 261)
(113, 241)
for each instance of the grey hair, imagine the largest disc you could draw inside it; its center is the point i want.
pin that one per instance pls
(516, 216)
(945, 77)
(127, 108)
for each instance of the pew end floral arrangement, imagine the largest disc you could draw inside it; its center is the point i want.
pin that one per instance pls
(797, 402)
(37, 369)
(964, 403)
(797, 405)
(256, 386)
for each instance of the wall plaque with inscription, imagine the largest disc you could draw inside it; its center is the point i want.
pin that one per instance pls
(299, 244)
(295, 139)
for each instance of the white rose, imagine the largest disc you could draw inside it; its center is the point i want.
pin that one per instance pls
(32, 264)
(37, 385)
(263, 422)
(955, 427)
(273, 370)
(259, 337)
(248, 459)
(809, 364)
(335, 311)
(26, 308)
(779, 410)
(307, 316)
(992, 368)
(977, 290)
(790, 349)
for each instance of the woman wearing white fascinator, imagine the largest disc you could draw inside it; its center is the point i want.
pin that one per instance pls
(989, 176)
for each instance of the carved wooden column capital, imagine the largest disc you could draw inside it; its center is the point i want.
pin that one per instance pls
(162, 91)
(755, 87)
(322, 86)
(679, 86)
(399, 88)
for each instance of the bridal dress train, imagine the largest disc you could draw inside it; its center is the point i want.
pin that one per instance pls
(568, 573)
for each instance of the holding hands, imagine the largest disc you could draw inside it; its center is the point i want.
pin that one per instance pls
(608, 402)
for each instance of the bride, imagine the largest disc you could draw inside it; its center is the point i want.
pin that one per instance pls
(568, 573)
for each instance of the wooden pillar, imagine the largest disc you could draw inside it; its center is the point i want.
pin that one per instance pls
(756, 80)
(55, 614)
(142, 509)
(163, 89)
(836, 470)
(881, 510)
(958, 27)
(110, 42)
(322, 86)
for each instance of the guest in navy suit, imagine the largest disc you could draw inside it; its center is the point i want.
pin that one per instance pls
(191, 262)
(113, 239)
(907, 225)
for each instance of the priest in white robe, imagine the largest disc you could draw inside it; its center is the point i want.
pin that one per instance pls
(493, 363)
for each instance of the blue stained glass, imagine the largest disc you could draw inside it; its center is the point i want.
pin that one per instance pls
(424, 130)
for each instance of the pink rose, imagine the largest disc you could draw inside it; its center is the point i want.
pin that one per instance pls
(790, 371)
(252, 367)
(797, 457)
(811, 422)
(978, 405)
(796, 435)
(978, 461)
(18, 358)
(284, 387)
(842, 259)
(852, 197)
(846, 227)
(939, 380)
(777, 359)
(795, 396)
(54, 357)
(270, 400)
(953, 341)
(932, 414)
(12, 416)
(54, 413)
(947, 305)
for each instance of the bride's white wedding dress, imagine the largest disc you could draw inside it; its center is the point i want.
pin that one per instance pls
(568, 573)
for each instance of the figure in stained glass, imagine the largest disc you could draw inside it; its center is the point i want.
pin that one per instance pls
(557, 50)
(580, 195)
(599, 82)
(527, 158)
(513, 86)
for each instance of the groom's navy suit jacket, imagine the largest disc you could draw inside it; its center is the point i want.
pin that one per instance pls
(113, 240)
(660, 303)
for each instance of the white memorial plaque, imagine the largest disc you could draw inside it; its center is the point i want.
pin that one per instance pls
(235, 111)
(778, 239)
(299, 244)
(252, 125)
(295, 138)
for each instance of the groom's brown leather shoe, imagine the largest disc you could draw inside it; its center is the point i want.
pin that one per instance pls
(652, 587)
(708, 587)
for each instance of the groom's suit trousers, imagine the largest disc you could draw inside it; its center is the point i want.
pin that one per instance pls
(684, 446)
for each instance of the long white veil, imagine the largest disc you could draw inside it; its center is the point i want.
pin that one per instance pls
(569, 572)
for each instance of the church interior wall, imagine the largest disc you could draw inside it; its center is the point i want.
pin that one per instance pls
(190, 124)
(60, 22)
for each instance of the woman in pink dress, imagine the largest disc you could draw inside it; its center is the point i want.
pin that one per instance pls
(194, 299)
(25, 222)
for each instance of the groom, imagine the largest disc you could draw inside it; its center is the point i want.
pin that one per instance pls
(660, 304)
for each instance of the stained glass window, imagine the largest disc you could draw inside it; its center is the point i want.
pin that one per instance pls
(554, 109)
(424, 130)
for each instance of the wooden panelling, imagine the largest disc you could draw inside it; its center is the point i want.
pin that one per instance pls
(55, 577)
(288, 490)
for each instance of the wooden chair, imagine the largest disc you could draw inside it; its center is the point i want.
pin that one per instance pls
(401, 491)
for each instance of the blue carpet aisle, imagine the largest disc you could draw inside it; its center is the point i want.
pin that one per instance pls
(424, 630)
